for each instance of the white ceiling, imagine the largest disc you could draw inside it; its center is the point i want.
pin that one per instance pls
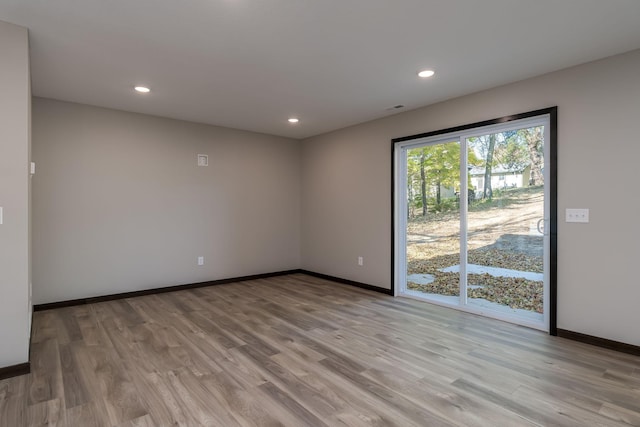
(251, 64)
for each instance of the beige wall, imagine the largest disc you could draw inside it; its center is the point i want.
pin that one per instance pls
(346, 176)
(120, 204)
(14, 194)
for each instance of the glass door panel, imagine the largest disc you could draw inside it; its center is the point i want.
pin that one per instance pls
(433, 221)
(505, 223)
(471, 210)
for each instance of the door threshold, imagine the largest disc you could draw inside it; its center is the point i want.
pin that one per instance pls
(496, 311)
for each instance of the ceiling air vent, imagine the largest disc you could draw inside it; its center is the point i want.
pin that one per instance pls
(395, 107)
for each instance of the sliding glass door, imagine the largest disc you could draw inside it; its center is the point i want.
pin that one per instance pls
(472, 218)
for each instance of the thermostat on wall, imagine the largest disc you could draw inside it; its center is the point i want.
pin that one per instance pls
(203, 160)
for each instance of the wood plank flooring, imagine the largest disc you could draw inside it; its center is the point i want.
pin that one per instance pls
(301, 351)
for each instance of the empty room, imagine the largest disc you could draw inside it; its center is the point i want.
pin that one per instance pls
(294, 213)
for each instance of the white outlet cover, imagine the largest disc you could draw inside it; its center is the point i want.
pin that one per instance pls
(203, 160)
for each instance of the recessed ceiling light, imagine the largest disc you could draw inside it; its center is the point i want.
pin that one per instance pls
(293, 120)
(142, 89)
(426, 73)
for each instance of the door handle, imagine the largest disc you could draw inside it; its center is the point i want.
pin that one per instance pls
(540, 222)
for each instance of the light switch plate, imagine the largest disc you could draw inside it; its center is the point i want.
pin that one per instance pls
(577, 215)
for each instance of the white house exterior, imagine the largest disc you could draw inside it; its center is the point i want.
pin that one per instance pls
(501, 177)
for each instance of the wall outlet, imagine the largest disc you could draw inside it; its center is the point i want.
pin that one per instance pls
(360, 261)
(577, 215)
(200, 260)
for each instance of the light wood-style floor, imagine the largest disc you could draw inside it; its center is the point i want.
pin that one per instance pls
(300, 351)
